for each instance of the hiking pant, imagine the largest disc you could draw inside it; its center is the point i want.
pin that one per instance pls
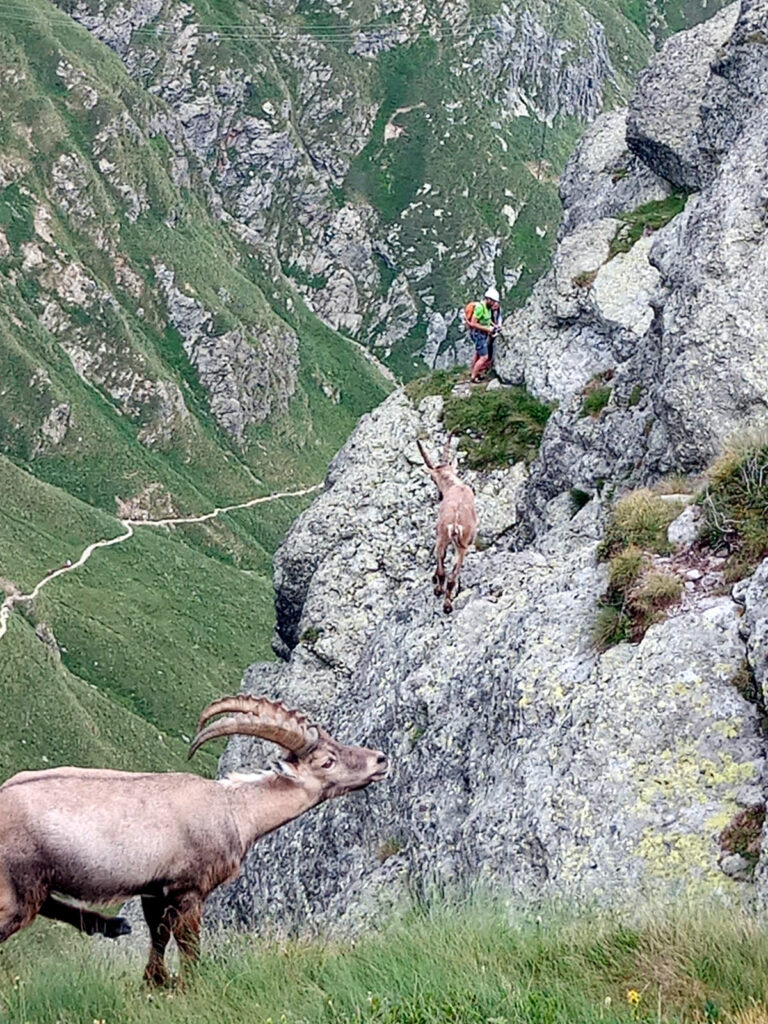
(482, 359)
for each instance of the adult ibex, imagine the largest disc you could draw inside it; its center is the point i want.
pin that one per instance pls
(102, 836)
(456, 521)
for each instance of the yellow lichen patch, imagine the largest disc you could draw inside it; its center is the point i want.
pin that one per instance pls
(688, 857)
(730, 729)
(682, 773)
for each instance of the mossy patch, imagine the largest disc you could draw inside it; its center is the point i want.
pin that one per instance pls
(647, 218)
(635, 395)
(597, 394)
(497, 428)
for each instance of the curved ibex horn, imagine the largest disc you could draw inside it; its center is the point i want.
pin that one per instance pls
(424, 455)
(258, 716)
(445, 458)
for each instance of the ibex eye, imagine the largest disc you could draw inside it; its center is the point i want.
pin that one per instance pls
(329, 763)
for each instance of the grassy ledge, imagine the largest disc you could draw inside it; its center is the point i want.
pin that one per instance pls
(495, 428)
(647, 218)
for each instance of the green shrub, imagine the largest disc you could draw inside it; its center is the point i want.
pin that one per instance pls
(734, 504)
(641, 518)
(497, 428)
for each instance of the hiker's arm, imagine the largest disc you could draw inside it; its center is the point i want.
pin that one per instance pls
(475, 326)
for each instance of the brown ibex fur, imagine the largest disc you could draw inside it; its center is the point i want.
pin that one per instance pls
(103, 836)
(456, 522)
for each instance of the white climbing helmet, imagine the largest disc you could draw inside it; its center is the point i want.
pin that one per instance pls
(492, 294)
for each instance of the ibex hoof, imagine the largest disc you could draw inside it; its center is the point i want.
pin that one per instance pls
(156, 977)
(438, 590)
(447, 607)
(117, 926)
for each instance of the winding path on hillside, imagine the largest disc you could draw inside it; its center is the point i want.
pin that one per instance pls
(130, 525)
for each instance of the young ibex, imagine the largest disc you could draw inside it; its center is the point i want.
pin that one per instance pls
(102, 836)
(456, 521)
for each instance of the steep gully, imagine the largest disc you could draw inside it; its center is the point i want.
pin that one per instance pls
(130, 524)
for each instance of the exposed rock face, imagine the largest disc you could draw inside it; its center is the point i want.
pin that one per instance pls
(246, 378)
(671, 327)
(665, 118)
(520, 756)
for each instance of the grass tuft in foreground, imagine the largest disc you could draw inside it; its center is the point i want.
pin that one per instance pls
(471, 965)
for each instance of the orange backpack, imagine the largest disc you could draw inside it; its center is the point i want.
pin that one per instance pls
(469, 312)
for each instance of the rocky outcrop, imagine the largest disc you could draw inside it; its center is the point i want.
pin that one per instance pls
(520, 756)
(245, 378)
(665, 117)
(652, 297)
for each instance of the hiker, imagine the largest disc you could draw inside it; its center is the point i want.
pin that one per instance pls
(484, 322)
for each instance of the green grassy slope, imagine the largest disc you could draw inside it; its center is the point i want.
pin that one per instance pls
(91, 204)
(464, 966)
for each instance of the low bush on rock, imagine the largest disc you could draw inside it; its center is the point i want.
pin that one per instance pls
(640, 518)
(735, 505)
(638, 591)
(742, 835)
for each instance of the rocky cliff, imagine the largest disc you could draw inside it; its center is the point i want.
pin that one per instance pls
(522, 756)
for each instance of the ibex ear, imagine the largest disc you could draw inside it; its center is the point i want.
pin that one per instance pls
(284, 769)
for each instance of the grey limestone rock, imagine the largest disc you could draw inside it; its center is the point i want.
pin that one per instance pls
(664, 117)
(604, 178)
(521, 757)
(245, 377)
(684, 531)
